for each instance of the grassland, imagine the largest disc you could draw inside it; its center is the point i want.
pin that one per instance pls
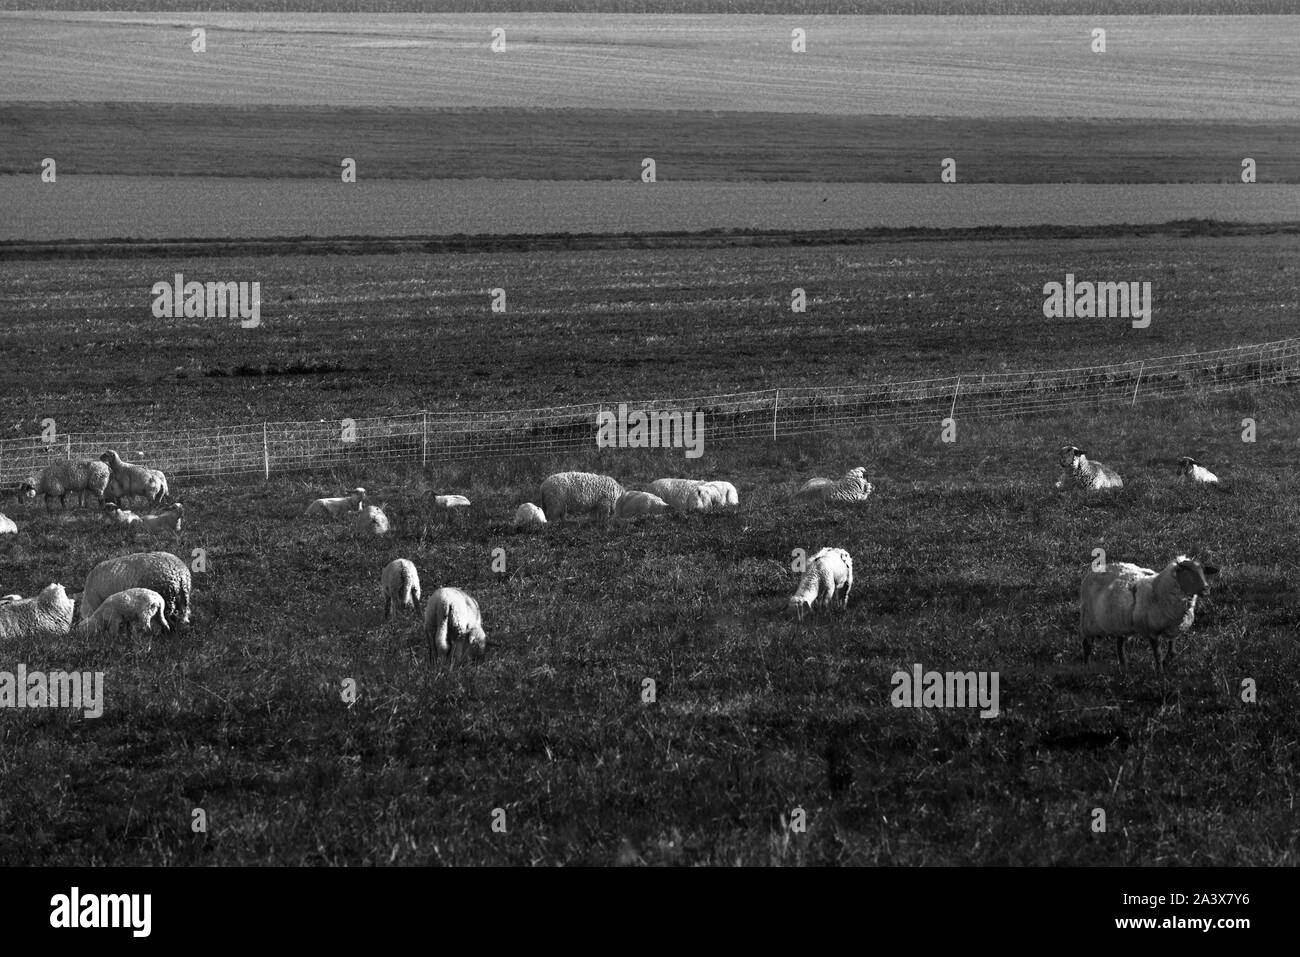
(782, 7)
(1191, 68)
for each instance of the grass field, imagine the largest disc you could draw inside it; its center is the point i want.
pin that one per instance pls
(1190, 68)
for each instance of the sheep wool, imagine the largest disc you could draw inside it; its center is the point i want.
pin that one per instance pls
(58, 479)
(634, 504)
(7, 525)
(401, 584)
(129, 479)
(338, 507)
(579, 493)
(371, 520)
(528, 515)
(1128, 600)
(162, 571)
(1082, 473)
(164, 522)
(47, 616)
(450, 504)
(135, 609)
(452, 615)
(726, 495)
(829, 575)
(1196, 473)
(852, 488)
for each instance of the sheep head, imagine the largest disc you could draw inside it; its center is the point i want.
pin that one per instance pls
(111, 458)
(1070, 455)
(1192, 576)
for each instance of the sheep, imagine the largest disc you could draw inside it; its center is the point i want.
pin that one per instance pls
(26, 491)
(48, 615)
(162, 571)
(566, 493)
(135, 609)
(123, 517)
(634, 504)
(852, 488)
(1085, 474)
(452, 615)
(1128, 600)
(59, 478)
(10, 599)
(694, 495)
(830, 570)
(401, 584)
(7, 525)
(447, 504)
(528, 515)
(338, 507)
(371, 520)
(168, 521)
(728, 497)
(1196, 473)
(129, 479)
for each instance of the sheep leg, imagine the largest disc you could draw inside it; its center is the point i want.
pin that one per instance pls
(1119, 650)
(1087, 648)
(1155, 651)
(388, 606)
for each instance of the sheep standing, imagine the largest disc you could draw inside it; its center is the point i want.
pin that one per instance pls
(829, 571)
(528, 515)
(337, 507)
(1085, 474)
(7, 525)
(634, 504)
(136, 609)
(852, 488)
(1128, 600)
(579, 493)
(60, 478)
(162, 571)
(371, 520)
(48, 615)
(1196, 473)
(452, 615)
(401, 584)
(128, 479)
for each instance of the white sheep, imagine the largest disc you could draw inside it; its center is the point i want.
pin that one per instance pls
(577, 493)
(634, 504)
(727, 495)
(529, 515)
(7, 525)
(48, 615)
(1083, 473)
(681, 494)
(852, 488)
(10, 599)
(128, 479)
(371, 520)
(401, 584)
(162, 571)
(829, 571)
(60, 478)
(136, 609)
(447, 504)
(1196, 473)
(338, 507)
(452, 615)
(1128, 600)
(163, 522)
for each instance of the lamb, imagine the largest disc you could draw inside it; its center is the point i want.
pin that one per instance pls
(401, 583)
(727, 495)
(138, 480)
(830, 570)
(48, 615)
(447, 504)
(452, 615)
(135, 609)
(578, 493)
(121, 516)
(338, 507)
(163, 522)
(634, 504)
(1128, 600)
(1085, 474)
(692, 495)
(1196, 473)
(7, 525)
(371, 520)
(59, 478)
(162, 571)
(852, 488)
(528, 515)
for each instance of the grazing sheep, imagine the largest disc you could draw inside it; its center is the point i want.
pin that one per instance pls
(450, 503)
(163, 522)
(48, 615)
(727, 497)
(528, 515)
(452, 615)
(830, 570)
(852, 488)
(634, 504)
(162, 571)
(135, 609)
(1084, 474)
(7, 526)
(1196, 473)
(59, 478)
(129, 479)
(338, 507)
(371, 520)
(401, 584)
(1128, 600)
(578, 493)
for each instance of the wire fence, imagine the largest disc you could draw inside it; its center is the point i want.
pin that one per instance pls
(437, 437)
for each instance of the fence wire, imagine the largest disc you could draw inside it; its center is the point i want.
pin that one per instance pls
(435, 437)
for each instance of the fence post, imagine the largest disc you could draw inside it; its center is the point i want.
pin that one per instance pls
(776, 404)
(67, 442)
(952, 411)
(1141, 369)
(266, 453)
